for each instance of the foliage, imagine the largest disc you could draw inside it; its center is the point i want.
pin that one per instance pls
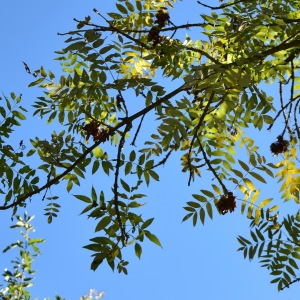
(207, 106)
(277, 246)
(93, 294)
(19, 279)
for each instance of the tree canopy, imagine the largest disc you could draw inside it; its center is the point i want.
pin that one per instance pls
(198, 102)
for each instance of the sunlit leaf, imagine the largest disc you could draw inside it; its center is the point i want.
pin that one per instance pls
(265, 202)
(257, 215)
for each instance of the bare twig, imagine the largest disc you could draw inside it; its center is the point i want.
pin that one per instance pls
(163, 161)
(288, 285)
(206, 55)
(48, 179)
(296, 121)
(225, 190)
(286, 116)
(282, 109)
(137, 131)
(115, 189)
(222, 5)
(200, 122)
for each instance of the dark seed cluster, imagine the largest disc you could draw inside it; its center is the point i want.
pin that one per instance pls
(280, 146)
(162, 19)
(226, 203)
(93, 129)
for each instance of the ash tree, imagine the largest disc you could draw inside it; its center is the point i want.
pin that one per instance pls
(203, 98)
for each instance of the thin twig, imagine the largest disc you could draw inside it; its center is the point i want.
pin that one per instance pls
(137, 131)
(200, 122)
(286, 116)
(109, 29)
(48, 179)
(222, 5)
(295, 116)
(292, 96)
(204, 53)
(261, 56)
(121, 31)
(281, 110)
(288, 285)
(115, 189)
(225, 190)
(163, 161)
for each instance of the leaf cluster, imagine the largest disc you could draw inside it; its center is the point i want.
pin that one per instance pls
(117, 118)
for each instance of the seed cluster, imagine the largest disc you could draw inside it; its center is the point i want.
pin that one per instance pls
(93, 129)
(162, 19)
(280, 146)
(226, 203)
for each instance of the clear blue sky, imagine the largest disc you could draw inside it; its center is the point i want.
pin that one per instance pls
(195, 263)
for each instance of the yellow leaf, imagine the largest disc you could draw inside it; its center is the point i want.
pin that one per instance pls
(293, 152)
(265, 202)
(249, 184)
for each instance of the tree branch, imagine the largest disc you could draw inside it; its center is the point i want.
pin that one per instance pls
(102, 139)
(121, 31)
(222, 5)
(109, 29)
(283, 46)
(206, 55)
(281, 110)
(288, 285)
(137, 131)
(295, 117)
(225, 190)
(163, 161)
(200, 122)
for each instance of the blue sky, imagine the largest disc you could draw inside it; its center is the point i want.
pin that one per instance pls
(195, 262)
